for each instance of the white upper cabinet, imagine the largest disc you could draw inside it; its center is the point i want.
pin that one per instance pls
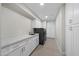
(68, 14)
(72, 14)
(76, 14)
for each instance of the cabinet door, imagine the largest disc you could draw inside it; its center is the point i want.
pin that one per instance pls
(76, 13)
(16, 52)
(72, 14)
(76, 40)
(72, 29)
(30, 46)
(68, 14)
(27, 49)
(68, 40)
(72, 41)
(36, 41)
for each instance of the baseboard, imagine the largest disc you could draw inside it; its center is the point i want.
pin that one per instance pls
(50, 38)
(63, 54)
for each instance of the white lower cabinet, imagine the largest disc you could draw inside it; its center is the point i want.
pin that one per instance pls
(16, 52)
(75, 48)
(68, 41)
(30, 46)
(23, 48)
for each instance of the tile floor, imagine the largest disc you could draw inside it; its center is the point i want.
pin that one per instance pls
(48, 49)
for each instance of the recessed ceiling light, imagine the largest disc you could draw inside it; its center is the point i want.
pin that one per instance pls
(42, 4)
(46, 17)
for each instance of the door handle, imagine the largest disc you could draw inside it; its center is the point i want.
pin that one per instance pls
(70, 21)
(70, 28)
(23, 49)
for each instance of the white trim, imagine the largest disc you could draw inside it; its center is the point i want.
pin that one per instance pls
(60, 50)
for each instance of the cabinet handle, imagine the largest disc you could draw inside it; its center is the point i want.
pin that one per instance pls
(70, 21)
(23, 49)
(70, 28)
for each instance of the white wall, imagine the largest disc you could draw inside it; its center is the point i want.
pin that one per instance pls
(60, 29)
(44, 24)
(13, 24)
(51, 29)
(36, 23)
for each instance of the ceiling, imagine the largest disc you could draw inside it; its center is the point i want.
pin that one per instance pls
(48, 9)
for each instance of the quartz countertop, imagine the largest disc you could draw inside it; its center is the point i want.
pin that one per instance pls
(10, 41)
